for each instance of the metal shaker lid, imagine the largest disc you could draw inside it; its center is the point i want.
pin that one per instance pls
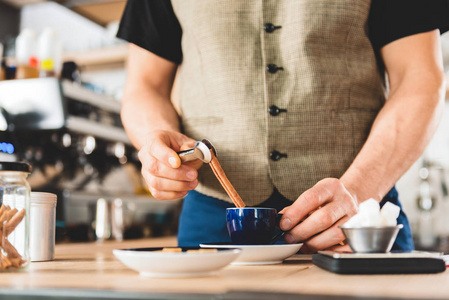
(15, 166)
(39, 198)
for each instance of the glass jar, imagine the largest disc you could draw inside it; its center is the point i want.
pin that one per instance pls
(14, 216)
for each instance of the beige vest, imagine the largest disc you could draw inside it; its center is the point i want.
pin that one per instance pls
(330, 85)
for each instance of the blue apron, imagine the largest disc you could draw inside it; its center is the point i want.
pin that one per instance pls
(203, 219)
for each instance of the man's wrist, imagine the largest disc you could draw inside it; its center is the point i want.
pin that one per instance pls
(360, 187)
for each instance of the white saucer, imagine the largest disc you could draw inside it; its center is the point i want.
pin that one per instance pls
(154, 263)
(258, 254)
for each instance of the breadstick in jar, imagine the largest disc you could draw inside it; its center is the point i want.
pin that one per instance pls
(13, 222)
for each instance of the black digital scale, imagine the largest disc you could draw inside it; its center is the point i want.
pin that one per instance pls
(412, 262)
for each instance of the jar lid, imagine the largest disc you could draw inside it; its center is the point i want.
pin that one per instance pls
(43, 198)
(15, 166)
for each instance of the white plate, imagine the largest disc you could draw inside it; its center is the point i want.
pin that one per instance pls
(258, 254)
(154, 263)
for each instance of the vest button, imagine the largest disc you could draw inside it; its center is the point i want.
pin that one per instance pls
(274, 110)
(272, 68)
(269, 28)
(276, 155)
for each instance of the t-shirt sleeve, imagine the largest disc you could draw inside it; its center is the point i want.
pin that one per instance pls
(152, 25)
(391, 20)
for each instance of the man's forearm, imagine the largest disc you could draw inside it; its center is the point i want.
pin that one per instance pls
(146, 104)
(398, 137)
(145, 110)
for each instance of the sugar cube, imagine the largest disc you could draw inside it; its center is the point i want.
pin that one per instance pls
(369, 207)
(354, 221)
(370, 214)
(389, 213)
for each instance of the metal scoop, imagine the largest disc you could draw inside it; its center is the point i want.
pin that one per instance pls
(200, 151)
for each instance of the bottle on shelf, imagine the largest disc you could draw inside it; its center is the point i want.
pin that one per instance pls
(26, 58)
(49, 53)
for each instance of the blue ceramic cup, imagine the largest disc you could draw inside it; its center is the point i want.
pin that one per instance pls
(251, 225)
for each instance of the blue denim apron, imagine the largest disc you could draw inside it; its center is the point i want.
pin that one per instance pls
(203, 219)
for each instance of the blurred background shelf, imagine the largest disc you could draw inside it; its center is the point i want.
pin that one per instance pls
(114, 56)
(101, 12)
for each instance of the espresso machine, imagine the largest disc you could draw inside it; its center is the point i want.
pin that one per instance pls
(74, 139)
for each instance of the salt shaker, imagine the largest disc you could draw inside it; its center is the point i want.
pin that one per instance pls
(14, 216)
(42, 229)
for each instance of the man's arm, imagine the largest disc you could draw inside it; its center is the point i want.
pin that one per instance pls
(146, 104)
(152, 124)
(397, 138)
(408, 120)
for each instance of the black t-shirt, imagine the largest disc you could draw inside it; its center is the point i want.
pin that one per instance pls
(152, 24)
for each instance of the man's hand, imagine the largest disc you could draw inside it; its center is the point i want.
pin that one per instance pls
(162, 170)
(315, 216)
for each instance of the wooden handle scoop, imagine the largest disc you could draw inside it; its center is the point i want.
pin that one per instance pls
(206, 152)
(221, 176)
(201, 151)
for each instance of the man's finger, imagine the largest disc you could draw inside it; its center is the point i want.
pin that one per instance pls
(156, 168)
(187, 145)
(318, 221)
(161, 195)
(169, 185)
(328, 238)
(307, 202)
(164, 195)
(339, 248)
(160, 149)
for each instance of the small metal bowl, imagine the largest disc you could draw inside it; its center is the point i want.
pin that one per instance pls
(371, 239)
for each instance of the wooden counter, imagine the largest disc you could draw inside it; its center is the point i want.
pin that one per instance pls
(89, 270)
